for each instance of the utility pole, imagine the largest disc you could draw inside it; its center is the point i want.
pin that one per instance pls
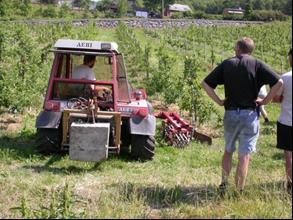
(163, 8)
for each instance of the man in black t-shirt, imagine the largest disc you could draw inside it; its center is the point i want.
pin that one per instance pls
(242, 77)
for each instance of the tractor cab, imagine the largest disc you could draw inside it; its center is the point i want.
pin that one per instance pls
(109, 84)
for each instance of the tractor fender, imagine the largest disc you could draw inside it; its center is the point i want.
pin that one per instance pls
(143, 126)
(48, 119)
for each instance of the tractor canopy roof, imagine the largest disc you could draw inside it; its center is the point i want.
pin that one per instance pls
(85, 45)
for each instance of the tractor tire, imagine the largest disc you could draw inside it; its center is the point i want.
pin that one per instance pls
(125, 139)
(48, 140)
(142, 147)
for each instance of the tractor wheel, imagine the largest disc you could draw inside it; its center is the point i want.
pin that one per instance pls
(143, 147)
(125, 139)
(48, 140)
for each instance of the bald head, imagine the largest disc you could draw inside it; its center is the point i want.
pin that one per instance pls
(244, 46)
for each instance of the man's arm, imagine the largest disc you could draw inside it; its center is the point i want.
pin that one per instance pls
(211, 93)
(272, 93)
(279, 97)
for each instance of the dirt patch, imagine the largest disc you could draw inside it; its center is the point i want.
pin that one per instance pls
(10, 122)
(209, 131)
(160, 107)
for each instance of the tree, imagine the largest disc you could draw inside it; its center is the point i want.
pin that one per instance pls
(122, 7)
(156, 5)
(84, 4)
(259, 5)
(64, 11)
(248, 10)
(288, 7)
(49, 12)
(139, 3)
(48, 1)
(5, 7)
(24, 7)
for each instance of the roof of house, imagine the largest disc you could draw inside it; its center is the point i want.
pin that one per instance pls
(179, 7)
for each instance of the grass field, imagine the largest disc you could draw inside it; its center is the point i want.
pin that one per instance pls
(178, 183)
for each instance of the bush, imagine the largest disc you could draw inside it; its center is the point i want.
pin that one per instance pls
(200, 15)
(49, 12)
(264, 15)
(233, 17)
(177, 15)
(187, 14)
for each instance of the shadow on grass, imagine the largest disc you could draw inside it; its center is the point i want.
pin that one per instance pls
(278, 156)
(18, 146)
(269, 191)
(79, 167)
(275, 186)
(22, 147)
(62, 170)
(159, 197)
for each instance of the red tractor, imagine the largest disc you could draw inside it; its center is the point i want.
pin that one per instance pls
(92, 118)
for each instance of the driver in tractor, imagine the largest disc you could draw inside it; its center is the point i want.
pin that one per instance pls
(85, 72)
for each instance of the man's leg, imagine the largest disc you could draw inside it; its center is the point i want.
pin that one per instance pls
(226, 166)
(288, 165)
(242, 170)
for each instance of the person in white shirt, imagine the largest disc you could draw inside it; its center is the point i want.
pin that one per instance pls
(262, 94)
(284, 125)
(85, 70)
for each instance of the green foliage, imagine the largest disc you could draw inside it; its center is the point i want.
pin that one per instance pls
(24, 8)
(192, 96)
(268, 16)
(177, 15)
(19, 9)
(235, 17)
(64, 11)
(156, 5)
(49, 12)
(161, 78)
(5, 8)
(122, 7)
(139, 3)
(131, 48)
(200, 15)
(248, 10)
(287, 8)
(18, 67)
(60, 206)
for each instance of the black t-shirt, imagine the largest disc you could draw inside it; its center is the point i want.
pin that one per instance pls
(242, 78)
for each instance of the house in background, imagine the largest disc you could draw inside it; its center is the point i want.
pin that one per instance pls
(233, 11)
(141, 13)
(176, 8)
